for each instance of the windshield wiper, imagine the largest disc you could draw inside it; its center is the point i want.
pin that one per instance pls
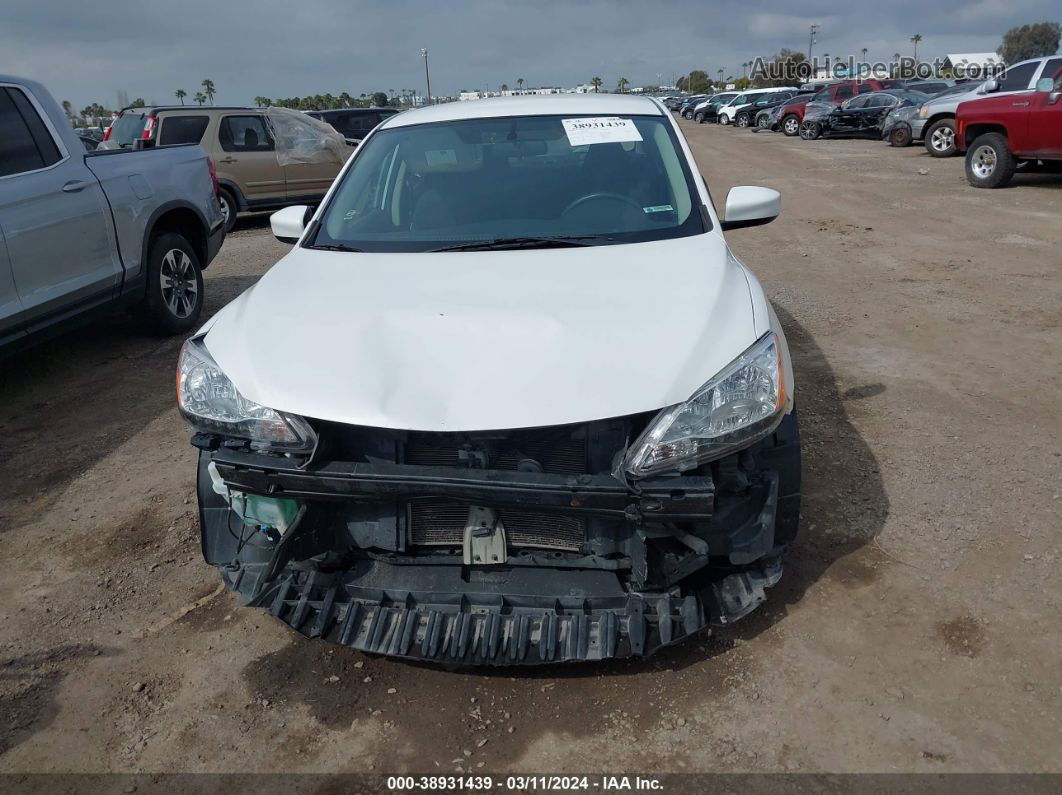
(503, 243)
(335, 247)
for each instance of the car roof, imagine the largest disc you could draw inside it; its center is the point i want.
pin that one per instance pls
(188, 108)
(354, 110)
(545, 105)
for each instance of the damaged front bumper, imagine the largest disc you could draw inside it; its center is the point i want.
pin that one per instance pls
(651, 563)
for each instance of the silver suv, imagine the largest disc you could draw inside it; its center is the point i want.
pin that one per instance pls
(935, 120)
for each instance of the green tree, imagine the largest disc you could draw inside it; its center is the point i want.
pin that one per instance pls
(596, 83)
(180, 93)
(68, 109)
(262, 102)
(200, 97)
(379, 99)
(209, 90)
(621, 84)
(138, 103)
(916, 38)
(1030, 41)
(504, 87)
(520, 83)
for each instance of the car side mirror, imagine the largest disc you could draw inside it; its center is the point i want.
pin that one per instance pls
(989, 86)
(751, 206)
(289, 224)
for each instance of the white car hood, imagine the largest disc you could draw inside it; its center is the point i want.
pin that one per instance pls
(465, 341)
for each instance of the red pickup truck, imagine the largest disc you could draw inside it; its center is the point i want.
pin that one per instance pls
(1000, 133)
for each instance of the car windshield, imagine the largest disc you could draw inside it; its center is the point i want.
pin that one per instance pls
(587, 180)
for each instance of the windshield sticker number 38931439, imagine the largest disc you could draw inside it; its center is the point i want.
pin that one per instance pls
(600, 130)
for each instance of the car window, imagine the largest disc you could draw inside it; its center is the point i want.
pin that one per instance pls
(26, 143)
(1053, 68)
(127, 128)
(855, 103)
(353, 125)
(1017, 78)
(426, 186)
(182, 129)
(244, 134)
(845, 91)
(822, 96)
(881, 100)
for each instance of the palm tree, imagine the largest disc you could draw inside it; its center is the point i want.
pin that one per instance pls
(200, 97)
(208, 88)
(596, 83)
(520, 83)
(720, 75)
(621, 84)
(916, 38)
(261, 102)
(504, 87)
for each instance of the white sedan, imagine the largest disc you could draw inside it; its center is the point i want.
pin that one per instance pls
(510, 397)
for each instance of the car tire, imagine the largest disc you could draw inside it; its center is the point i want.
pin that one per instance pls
(724, 119)
(989, 162)
(810, 130)
(763, 123)
(688, 115)
(174, 298)
(791, 125)
(699, 118)
(229, 208)
(742, 120)
(900, 136)
(940, 138)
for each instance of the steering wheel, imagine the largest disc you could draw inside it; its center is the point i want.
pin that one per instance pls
(599, 195)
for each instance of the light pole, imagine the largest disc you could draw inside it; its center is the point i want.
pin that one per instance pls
(427, 77)
(811, 42)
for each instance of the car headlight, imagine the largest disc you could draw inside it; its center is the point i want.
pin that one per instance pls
(923, 112)
(211, 402)
(743, 403)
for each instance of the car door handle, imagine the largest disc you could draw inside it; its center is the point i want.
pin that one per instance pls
(75, 186)
(229, 160)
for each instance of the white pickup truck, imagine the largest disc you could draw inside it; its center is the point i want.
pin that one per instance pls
(84, 234)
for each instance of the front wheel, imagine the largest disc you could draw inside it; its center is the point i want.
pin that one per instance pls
(742, 120)
(687, 115)
(989, 162)
(699, 118)
(763, 123)
(940, 138)
(791, 125)
(724, 119)
(900, 136)
(174, 296)
(810, 130)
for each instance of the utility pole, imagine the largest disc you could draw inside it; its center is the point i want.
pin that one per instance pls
(427, 77)
(811, 43)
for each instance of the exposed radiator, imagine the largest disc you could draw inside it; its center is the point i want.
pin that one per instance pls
(436, 522)
(555, 454)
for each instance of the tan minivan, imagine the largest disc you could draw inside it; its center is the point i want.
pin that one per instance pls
(241, 145)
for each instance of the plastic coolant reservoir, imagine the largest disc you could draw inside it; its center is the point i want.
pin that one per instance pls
(255, 510)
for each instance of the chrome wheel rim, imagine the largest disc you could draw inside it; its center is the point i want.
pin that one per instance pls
(807, 131)
(983, 162)
(943, 139)
(180, 290)
(792, 126)
(762, 124)
(743, 121)
(225, 209)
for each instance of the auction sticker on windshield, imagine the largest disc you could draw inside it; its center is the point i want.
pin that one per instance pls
(600, 130)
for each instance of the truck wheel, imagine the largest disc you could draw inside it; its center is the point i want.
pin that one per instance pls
(174, 285)
(699, 118)
(989, 162)
(791, 125)
(940, 138)
(228, 209)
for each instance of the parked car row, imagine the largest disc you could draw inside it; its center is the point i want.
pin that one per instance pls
(1003, 124)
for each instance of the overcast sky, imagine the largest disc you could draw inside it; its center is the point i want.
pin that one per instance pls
(86, 51)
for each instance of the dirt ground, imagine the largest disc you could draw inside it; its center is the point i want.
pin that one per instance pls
(916, 629)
